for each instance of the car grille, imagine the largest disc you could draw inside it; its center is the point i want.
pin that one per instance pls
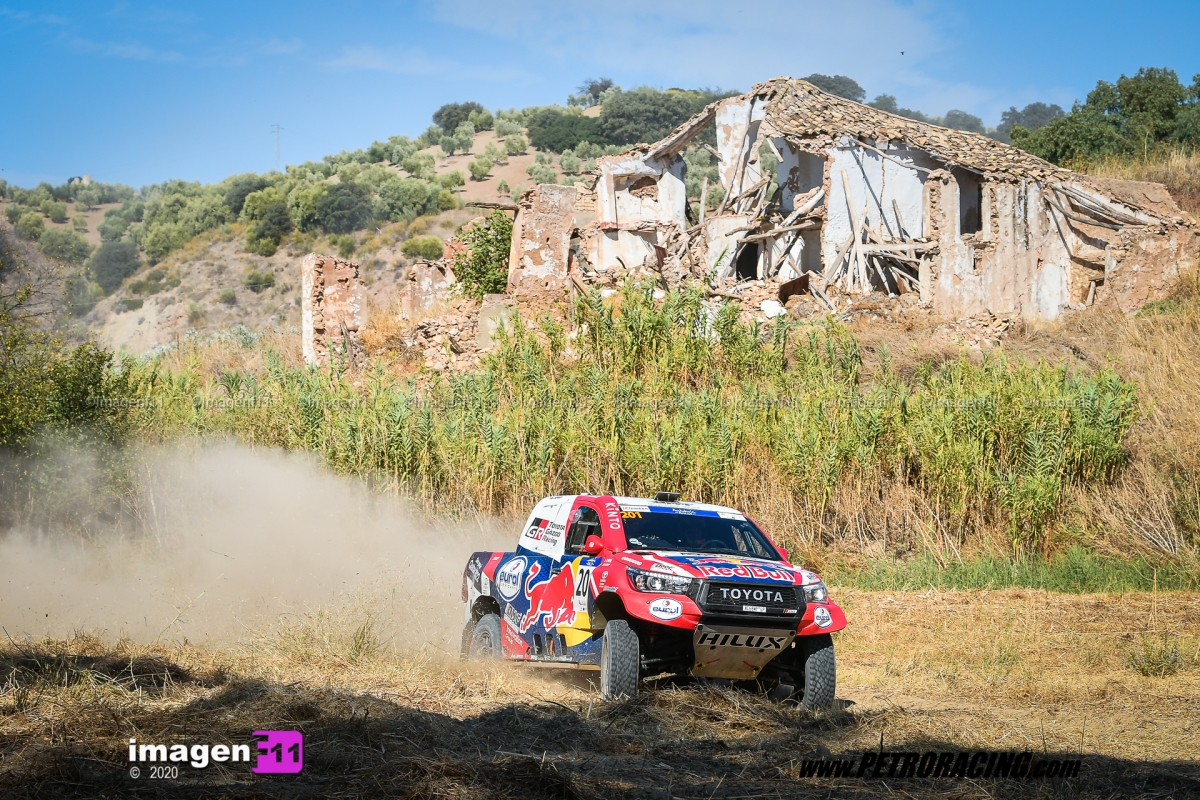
(750, 600)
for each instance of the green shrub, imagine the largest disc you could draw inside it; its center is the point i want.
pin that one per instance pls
(447, 200)
(502, 187)
(507, 127)
(464, 137)
(112, 227)
(257, 203)
(452, 179)
(483, 267)
(494, 153)
(346, 245)
(429, 248)
(451, 115)
(195, 313)
(517, 191)
(647, 115)
(228, 297)
(61, 244)
(555, 130)
(481, 120)
(541, 173)
(241, 187)
(480, 167)
(419, 165)
(13, 212)
(81, 294)
(515, 145)
(408, 198)
(79, 222)
(30, 226)
(129, 304)
(57, 212)
(343, 208)
(112, 263)
(1155, 657)
(569, 162)
(264, 236)
(448, 144)
(258, 281)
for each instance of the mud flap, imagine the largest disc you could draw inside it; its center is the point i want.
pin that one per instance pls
(737, 653)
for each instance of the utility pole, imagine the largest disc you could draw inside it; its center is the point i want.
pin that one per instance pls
(277, 129)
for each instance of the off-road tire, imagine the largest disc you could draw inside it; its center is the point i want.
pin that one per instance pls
(464, 645)
(485, 639)
(820, 672)
(620, 661)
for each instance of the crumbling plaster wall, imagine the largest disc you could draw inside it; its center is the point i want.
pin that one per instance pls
(541, 241)
(877, 187)
(737, 123)
(332, 306)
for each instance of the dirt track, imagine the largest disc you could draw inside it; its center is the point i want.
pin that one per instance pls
(1009, 670)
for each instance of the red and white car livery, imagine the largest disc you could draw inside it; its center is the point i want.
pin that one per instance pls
(638, 587)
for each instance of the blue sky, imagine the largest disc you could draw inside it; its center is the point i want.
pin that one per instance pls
(137, 93)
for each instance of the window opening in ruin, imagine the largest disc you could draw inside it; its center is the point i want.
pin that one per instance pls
(746, 266)
(970, 201)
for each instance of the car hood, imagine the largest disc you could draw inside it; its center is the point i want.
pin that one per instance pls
(730, 567)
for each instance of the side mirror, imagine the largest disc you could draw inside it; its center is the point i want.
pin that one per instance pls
(782, 553)
(594, 545)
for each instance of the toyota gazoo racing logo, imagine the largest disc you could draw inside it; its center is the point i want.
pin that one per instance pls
(508, 578)
(747, 594)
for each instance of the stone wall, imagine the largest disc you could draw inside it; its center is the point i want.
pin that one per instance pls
(333, 308)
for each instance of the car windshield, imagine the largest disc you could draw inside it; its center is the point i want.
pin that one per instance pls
(695, 532)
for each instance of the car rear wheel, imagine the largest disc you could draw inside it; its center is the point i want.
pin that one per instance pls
(820, 672)
(620, 661)
(485, 639)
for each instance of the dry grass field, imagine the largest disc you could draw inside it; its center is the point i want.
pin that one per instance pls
(1007, 670)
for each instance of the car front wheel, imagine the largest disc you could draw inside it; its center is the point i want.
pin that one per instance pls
(620, 661)
(485, 639)
(820, 672)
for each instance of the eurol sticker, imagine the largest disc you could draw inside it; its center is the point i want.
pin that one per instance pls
(822, 617)
(665, 608)
(508, 578)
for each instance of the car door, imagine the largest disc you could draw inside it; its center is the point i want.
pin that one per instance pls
(571, 627)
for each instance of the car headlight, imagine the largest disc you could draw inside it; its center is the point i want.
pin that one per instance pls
(816, 592)
(658, 582)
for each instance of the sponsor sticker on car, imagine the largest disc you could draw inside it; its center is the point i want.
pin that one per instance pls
(508, 578)
(822, 617)
(665, 608)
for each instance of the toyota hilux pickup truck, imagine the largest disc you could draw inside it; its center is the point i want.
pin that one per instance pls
(639, 587)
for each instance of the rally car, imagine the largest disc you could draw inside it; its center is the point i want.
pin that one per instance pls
(638, 587)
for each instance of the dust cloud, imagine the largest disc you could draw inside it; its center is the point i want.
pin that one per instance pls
(236, 543)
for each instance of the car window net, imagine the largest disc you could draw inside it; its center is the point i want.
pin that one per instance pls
(696, 534)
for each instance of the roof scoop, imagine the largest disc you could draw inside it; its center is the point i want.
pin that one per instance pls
(666, 497)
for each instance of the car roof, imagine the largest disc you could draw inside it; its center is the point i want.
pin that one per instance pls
(624, 502)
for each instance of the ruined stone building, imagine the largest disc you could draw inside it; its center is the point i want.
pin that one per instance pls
(861, 201)
(333, 309)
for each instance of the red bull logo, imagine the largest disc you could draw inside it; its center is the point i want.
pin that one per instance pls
(549, 601)
(720, 567)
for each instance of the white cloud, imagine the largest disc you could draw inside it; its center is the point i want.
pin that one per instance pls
(280, 47)
(131, 51)
(410, 61)
(890, 46)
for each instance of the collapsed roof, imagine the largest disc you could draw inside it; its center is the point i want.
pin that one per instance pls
(860, 201)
